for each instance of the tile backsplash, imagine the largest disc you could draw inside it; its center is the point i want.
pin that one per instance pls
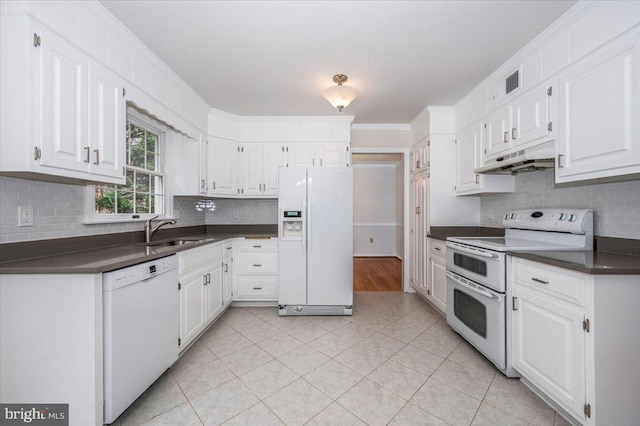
(58, 211)
(616, 205)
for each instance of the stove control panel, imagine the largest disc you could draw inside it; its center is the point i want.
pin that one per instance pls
(574, 221)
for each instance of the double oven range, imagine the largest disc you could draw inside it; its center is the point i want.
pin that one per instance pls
(478, 297)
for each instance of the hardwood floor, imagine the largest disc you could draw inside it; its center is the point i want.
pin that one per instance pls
(377, 274)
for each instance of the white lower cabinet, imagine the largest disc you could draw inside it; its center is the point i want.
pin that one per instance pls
(256, 270)
(202, 289)
(437, 277)
(572, 340)
(227, 272)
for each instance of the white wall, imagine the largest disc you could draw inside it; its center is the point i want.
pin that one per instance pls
(380, 136)
(375, 210)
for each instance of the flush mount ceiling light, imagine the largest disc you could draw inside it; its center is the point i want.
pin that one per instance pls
(340, 96)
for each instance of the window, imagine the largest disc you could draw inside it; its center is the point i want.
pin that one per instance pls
(143, 193)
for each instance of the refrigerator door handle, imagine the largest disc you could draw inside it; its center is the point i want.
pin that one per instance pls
(309, 207)
(304, 225)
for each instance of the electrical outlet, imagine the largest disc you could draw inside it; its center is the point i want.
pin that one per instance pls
(25, 216)
(490, 214)
(235, 214)
(370, 240)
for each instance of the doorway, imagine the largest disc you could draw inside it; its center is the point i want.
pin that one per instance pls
(378, 216)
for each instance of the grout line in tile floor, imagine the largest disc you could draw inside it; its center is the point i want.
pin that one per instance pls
(395, 361)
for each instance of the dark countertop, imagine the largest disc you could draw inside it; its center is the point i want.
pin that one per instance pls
(590, 262)
(442, 232)
(104, 259)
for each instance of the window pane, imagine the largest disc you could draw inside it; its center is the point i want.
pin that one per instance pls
(157, 204)
(128, 186)
(137, 146)
(142, 182)
(151, 161)
(142, 203)
(125, 202)
(152, 141)
(105, 199)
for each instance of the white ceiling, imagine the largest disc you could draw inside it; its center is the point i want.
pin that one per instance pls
(276, 57)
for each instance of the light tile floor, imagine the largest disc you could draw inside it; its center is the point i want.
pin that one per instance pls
(395, 361)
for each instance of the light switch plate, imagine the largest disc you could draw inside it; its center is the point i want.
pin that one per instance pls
(25, 216)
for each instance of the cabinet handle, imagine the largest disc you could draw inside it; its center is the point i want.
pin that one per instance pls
(321, 162)
(477, 177)
(257, 265)
(513, 133)
(313, 161)
(438, 248)
(214, 184)
(204, 280)
(257, 288)
(229, 248)
(538, 280)
(417, 164)
(506, 137)
(417, 210)
(257, 246)
(202, 183)
(88, 158)
(226, 267)
(97, 151)
(560, 161)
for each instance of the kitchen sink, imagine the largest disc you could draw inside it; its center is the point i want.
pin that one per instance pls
(176, 242)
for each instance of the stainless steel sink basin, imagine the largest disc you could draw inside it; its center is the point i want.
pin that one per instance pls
(176, 242)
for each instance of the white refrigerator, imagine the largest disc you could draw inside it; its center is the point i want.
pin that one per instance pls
(315, 241)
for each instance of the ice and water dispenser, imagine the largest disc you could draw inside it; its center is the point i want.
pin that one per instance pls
(292, 225)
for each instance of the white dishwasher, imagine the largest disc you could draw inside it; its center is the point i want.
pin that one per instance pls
(141, 311)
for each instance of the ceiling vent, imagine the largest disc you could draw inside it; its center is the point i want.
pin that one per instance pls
(506, 85)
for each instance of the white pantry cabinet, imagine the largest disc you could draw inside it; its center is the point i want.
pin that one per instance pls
(63, 113)
(418, 232)
(468, 146)
(420, 156)
(599, 102)
(201, 289)
(223, 167)
(573, 339)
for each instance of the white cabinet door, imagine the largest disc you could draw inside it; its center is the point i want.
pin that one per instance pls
(203, 187)
(599, 125)
(223, 167)
(419, 232)
(107, 121)
(496, 133)
(549, 346)
(213, 291)
(251, 166)
(272, 160)
(530, 117)
(64, 69)
(227, 280)
(192, 315)
(333, 155)
(468, 145)
(301, 155)
(437, 287)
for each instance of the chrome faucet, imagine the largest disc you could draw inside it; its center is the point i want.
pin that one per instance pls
(149, 231)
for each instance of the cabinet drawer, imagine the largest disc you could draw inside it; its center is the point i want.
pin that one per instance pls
(257, 288)
(189, 259)
(257, 244)
(551, 280)
(257, 263)
(437, 247)
(227, 247)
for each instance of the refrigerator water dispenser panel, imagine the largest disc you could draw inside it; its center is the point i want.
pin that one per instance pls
(292, 225)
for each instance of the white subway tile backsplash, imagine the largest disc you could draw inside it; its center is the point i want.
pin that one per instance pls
(243, 211)
(616, 205)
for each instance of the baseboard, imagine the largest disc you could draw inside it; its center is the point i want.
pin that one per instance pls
(378, 255)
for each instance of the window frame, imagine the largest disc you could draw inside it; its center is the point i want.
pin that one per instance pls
(149, 124)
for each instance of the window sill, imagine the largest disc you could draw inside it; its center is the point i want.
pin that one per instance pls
(111, 220)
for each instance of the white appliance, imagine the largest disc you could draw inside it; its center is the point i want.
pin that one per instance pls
(477, 294)
(141, 310)
(315, 241)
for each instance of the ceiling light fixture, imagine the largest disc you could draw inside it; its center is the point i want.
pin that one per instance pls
(340, 96)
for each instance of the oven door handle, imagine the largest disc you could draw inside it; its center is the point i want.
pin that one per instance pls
(474, 289)
(474, 252)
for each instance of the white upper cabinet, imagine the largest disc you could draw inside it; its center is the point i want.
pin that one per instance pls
(495, 132)
(223, 167)
(599, 125)
(530, 116)
(301, 155)
(468, 153)
(317, 155)
(259, 165)
(63, 114)
(333, 155)
(107, 121)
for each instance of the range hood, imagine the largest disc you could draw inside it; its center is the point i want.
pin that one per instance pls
(523, 160)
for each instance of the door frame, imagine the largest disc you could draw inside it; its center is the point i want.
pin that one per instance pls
(406, 285)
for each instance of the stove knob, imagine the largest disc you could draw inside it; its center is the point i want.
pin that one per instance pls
(506, 216)
(513, 215)
(563, 216)
(572, 217)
